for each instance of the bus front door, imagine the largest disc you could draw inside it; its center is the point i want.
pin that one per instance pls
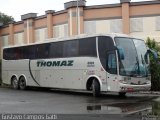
(111, 67)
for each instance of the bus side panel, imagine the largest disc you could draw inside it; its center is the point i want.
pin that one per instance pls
(17, 68)
(71, 77)
(5, 77)
(59, 78)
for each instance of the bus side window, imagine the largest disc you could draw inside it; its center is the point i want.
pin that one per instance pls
(111, 63)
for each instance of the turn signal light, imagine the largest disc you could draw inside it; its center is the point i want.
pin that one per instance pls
(130, 89)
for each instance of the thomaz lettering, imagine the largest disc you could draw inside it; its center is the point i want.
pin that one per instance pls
(54, 63)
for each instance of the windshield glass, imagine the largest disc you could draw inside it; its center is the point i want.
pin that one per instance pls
(134, 63)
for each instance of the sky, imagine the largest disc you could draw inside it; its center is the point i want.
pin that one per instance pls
(16, 8)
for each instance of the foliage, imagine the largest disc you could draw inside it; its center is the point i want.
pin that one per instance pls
(0, 72)
(5, 19)
(155, 66)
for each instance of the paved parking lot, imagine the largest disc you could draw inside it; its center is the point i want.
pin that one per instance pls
(36, 101)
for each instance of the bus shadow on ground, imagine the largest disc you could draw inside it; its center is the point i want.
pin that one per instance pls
(109, 95)
(75, 92)
(89, 94)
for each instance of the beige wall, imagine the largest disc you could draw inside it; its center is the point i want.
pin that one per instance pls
(5, 40)
(60, 31)
(19, 38)
(149, 29)
(40, 34)
(103, 26)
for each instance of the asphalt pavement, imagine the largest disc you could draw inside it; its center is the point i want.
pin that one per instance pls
(70, 105)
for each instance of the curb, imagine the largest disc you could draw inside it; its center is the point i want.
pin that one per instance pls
(148, 92)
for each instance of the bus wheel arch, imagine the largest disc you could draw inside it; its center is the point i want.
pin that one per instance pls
(14, 82)
(22, 82)
(94, 84)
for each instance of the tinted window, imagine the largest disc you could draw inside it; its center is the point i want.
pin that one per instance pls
(105, 48)
(28, 52)
(5, 54)
(111, 63)
(43, 50)
(56, 50)
(87, 47)
(8, 54)
(70, 48)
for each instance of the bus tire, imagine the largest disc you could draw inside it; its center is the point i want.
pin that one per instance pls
(22, 83)
(14, 83)
(95, 88)
(122, 94)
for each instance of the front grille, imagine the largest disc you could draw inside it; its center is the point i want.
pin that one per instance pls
(137, 83)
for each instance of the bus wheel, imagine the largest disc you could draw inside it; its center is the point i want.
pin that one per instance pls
(14, 83)
(122, 94)
(95, 88)
(22, 83)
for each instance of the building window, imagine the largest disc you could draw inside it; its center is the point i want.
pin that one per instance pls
(5, 40)
(37, 35)
(40, 34)
(60, 31)
(116, 26)
(66, 30)
(19, 38)
(90, 27)
(158, 23)
(136, 24)
(56, 31)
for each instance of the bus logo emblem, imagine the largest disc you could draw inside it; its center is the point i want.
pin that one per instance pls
(54, 63)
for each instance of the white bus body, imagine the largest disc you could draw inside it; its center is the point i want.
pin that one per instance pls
(91, 63)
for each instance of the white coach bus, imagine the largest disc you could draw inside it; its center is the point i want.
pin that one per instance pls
(97, 63)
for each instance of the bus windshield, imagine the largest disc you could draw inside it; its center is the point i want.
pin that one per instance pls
(135, 62)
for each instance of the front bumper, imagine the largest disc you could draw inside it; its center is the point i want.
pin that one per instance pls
(134, 88)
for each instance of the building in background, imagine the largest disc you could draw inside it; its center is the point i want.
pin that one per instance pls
(138, 19)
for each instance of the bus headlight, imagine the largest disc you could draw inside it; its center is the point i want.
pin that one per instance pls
(148, 82)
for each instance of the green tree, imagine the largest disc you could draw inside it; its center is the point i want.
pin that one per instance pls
(154, 66)
(5, 19)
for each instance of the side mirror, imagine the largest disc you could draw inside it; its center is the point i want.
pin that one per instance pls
(155, 55)
(120, 52)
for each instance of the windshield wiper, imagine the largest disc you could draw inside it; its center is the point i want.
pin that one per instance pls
(135, 72)
(138, 65)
